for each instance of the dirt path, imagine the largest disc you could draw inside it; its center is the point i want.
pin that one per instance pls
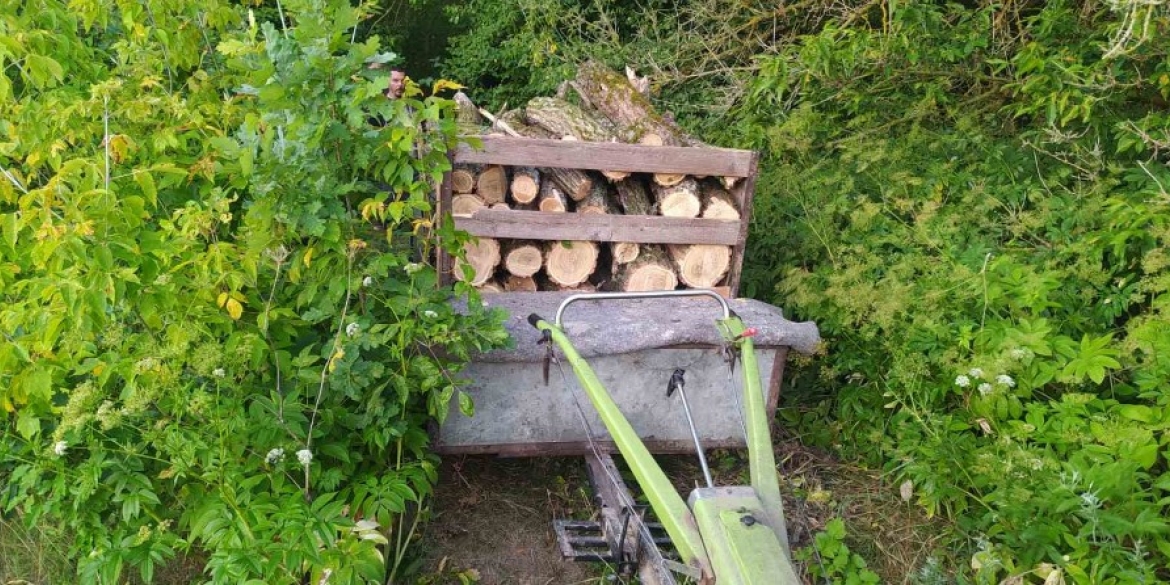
(494, 516)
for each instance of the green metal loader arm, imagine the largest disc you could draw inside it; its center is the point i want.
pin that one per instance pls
(671, 509)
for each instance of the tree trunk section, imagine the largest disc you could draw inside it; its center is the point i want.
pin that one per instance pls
(633, 197)
(681, 200)
(624, 253)
(552, 199)
(701, 265)
(492, 184)
(482, 257)
(519, 283)
(573, 182)
(467, 116)
(490, 286)
(525, 184)
(565, 119)
(598, 202)
(463, 178)
(652, 270)
(466, 204)
(570, 263)
(717, 202)
(523, 258)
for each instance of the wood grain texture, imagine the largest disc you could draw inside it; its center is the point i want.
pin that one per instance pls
(535, 225)
(501, 150)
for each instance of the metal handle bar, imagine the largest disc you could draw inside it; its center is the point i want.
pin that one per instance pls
(641, 295)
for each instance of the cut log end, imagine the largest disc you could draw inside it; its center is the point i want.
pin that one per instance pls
(625, 252)
(482, 256)
(520, 284)
(701, 266)
(525, 185)
(523, 259)
(570, 263)
(466, 204)
(492, 184)
(462, 180)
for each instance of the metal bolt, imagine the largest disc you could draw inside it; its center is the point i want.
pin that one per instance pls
(748, 520)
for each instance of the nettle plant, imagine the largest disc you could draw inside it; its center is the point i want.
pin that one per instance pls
(220, 338)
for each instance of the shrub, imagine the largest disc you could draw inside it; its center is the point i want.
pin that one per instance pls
(216, 337)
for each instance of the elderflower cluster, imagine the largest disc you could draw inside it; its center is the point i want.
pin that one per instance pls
(305, 456)
(412, 267)
(352, 329)
(274, 456)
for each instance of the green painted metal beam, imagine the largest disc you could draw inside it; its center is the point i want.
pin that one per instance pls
(672, 511)
(759, 440)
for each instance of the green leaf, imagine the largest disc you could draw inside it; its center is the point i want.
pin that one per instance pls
(1146, 455)
(146, 182)
(43, 71)
(466, 405)
(27, 424)
(1136, 412)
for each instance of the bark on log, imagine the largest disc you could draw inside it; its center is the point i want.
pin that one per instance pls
(573, 182)
(467, 116)
(525, 184)
(633, 117)
(463, 178)
(566, 119)
(519, 283)
(632, 195)
(490, 286)
(466, 204)
(598, 201)
(492, 184)
(570, 263)
(523, 258)
(717, 202)
(482, 257)
(552, 199)
(701, 265)
(652, 270)
(630, 111)
(681, 200)
(624, 253)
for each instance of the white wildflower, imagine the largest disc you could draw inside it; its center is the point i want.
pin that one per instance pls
(429, 314)
(984, 389)
(1005, 380)
(278, 254)
(163, 279)
(305, 456)
(60, 448)
(352, 329)
(218, 373)
(413, 267)
(1090, 500)
(962, 381)
(368, 281)
(274, 456)
(975, 373)
(1018, 353)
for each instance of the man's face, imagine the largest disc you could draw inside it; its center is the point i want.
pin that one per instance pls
(397, 85)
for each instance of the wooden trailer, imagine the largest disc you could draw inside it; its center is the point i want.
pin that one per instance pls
(634, 345)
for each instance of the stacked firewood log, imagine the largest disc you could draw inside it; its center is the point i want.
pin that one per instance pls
(608, 107)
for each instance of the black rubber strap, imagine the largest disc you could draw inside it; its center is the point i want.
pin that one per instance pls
(534, 319)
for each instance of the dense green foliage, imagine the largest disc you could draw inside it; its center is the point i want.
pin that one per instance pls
(971, 201)
(208, 347)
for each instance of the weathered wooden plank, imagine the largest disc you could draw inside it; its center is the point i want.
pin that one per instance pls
(607, 156)
(536, 225)
(746, 193)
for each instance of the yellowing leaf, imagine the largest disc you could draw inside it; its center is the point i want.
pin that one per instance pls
(309, 256)
(234, 309)
(442, 84)
(223, 298)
